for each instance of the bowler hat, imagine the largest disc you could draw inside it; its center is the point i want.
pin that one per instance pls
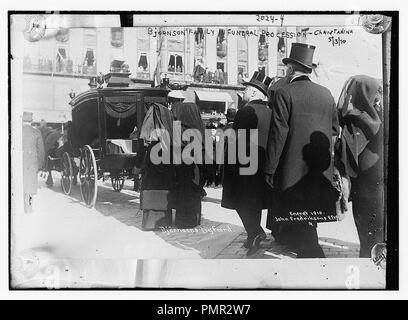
(259, 81)
(301, 54)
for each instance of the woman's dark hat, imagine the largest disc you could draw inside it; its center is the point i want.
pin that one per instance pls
(302, 54)
(259, 81)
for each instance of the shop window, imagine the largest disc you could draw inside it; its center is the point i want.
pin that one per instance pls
(175, 63)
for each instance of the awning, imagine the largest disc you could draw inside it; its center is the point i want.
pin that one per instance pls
(51, 116)
(215, 96)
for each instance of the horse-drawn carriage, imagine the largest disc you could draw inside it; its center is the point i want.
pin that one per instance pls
(102, 136)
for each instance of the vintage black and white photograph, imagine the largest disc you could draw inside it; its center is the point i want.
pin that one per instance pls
(204, 151)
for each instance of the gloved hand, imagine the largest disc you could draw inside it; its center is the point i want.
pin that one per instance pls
(269, 180)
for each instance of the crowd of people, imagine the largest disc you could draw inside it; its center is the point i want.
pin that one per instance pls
(313, 155)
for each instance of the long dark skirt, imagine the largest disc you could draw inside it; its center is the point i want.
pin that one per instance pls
(188, 196)
(368, 212)
(157, 192)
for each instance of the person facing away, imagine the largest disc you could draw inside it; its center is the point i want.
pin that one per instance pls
(188, 187)
(33, 156)
(360, 156)
(300, 108)
(157, 187)
(246, 193)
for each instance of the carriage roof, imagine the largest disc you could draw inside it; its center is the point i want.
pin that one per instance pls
(115, 91)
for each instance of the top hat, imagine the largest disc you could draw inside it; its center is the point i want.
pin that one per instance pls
(259, 81)
(301, 54)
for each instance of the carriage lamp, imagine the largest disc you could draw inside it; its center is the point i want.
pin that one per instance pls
(72, 94)
(92, 83)
(100, 79)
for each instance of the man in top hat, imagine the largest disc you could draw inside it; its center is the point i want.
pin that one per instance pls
(33, 157)
(245, 193)
(303, 118)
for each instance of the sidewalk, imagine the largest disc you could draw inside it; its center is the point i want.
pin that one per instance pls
(112, 230)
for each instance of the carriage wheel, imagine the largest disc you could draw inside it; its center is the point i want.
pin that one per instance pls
(66, 173)
(88, 176)
(117, 183)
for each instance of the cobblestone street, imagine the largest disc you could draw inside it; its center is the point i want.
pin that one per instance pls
(112, 229)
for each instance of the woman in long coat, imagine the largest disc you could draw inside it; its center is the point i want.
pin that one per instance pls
(157, 179)
(188, 188)
(33, 156)
(360, 156)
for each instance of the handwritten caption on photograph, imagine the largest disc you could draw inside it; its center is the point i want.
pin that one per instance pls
(335, 36)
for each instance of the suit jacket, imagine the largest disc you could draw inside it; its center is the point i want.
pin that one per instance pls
(248, 190)
(303, 113)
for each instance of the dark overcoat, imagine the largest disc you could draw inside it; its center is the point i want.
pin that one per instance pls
(248, 191)
(299, 153)
(299, 109)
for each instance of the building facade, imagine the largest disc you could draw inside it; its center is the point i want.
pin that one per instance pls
(206, 58)
(212, 61)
